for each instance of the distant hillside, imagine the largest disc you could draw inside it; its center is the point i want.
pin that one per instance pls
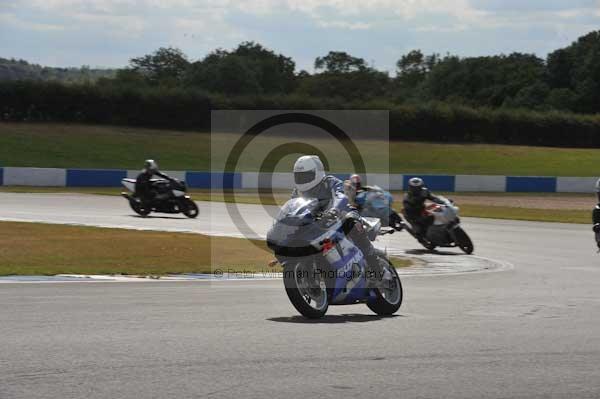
(12, 69)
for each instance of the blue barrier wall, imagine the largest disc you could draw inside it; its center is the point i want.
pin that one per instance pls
(217, 180)
(530, 184)
(433, 182)
(213, 180)
(95, 177)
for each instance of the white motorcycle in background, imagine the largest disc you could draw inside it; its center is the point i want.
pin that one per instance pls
(445, 230)
(170, 197)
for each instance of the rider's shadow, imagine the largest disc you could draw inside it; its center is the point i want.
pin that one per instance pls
(158, 217)
(430, 252)
(333, 319)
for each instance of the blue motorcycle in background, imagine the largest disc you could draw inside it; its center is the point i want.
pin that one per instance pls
(322, 267)
(374, 202)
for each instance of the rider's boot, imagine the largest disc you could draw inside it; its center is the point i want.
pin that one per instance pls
(374, 271)
(358, 235)
(396, 221)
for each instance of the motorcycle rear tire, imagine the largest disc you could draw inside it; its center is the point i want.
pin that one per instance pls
(463, 241)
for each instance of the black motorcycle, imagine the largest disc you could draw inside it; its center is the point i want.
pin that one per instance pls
(170, 196)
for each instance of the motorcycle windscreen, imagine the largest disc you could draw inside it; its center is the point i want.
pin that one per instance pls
(294, 229)
(297, 207)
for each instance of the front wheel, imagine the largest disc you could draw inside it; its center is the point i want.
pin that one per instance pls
(190, 209)
(306, 289)
(463, 241)
(139, 208)
(389, 296)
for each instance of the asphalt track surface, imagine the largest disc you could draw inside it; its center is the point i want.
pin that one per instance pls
(532, 331)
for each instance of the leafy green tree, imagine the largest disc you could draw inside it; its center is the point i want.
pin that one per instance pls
(253, 68)
(531, 97)
(412, 68)
(127, 78)
(344, 76)
(563, 99)
(274, 72)
(358, 85)
(166, 66)
(339, 62)
(12, 69)
(577, 67)
(559, 66)
(483, 81)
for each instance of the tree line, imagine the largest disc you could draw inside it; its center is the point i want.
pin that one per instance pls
(173, 108)
(510, 99)
(568, 79)
(14, 69)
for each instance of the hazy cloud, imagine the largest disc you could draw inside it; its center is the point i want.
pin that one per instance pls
(109, 32)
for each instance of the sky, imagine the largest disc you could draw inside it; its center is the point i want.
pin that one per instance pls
(107, 33)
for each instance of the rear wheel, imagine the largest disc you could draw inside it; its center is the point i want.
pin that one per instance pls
(306, 289)
(463, 241)
(428, 244)
(389, 296)
(190, 209)
(139, 208)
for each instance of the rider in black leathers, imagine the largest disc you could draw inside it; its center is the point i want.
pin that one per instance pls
(414, 205)
(143, 185)
(311, 182)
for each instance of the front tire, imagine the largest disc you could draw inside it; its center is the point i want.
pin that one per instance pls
(190, 209)
(139, 208)
(463, 241)
(306, 289)
(388, 298)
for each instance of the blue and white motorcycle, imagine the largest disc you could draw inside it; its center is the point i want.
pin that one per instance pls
(322, 267)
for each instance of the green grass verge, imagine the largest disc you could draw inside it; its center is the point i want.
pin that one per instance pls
(529, 214)
(49, 249)
(83, 146)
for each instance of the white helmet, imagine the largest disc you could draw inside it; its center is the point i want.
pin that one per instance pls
(308, 172)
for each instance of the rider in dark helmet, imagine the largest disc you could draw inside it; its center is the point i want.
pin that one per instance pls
(143, 186)
(312, 182)
(414, 206)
